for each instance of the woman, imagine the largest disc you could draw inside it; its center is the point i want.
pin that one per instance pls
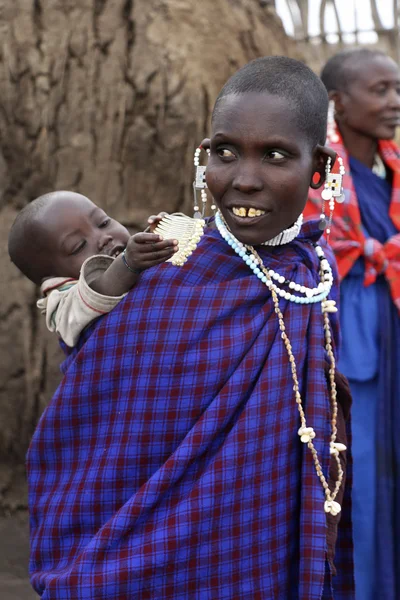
(196, 447)
(364, 89)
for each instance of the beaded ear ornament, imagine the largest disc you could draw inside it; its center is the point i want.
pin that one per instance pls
(333, 190)
(199, 184)
(186, 230)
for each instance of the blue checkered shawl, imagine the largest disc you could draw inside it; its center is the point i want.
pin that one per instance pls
(168, 465)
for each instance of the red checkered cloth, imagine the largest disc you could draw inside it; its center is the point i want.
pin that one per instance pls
(347, 237)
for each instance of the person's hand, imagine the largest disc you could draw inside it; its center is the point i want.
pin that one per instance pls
(154, 220)
(146, 250)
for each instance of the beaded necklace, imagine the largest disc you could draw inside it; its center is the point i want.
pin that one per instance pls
(307, 295)
(287, 235)
(379, 167)
(306, 434)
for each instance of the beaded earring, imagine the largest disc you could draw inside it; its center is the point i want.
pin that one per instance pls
(186, 230)
(333, 190)
(199, 183)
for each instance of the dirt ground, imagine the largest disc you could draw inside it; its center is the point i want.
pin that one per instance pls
(14, 556)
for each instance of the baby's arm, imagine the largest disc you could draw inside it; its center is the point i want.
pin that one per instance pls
(71, 305)
(143, 250)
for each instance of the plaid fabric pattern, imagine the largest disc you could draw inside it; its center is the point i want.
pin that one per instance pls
(168, 464)
(347, 237)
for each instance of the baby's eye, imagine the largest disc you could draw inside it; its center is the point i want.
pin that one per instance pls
(78, 248)
(105, 222)
(275, 155)
(225, 153)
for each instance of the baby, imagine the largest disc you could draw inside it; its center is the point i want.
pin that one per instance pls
(84, 261)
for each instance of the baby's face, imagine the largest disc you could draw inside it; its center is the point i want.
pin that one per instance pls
(74, 228)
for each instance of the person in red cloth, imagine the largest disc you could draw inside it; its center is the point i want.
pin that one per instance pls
(364, 88)
(196, 447)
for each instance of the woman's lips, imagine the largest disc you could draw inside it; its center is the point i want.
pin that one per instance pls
(392, 122)
(247, 215)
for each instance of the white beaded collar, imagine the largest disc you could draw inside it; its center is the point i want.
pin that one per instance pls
(287, 235)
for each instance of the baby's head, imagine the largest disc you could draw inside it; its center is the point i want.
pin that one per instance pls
(267, 142)
(54, 234)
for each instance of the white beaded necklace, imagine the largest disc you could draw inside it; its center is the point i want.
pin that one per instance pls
(308, 295)
(287, 235)
(306, 434)
(379, 167)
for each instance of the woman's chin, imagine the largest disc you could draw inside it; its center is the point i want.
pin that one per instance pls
(387, 132)
(251, 231)
(254, 232)
(252, 236)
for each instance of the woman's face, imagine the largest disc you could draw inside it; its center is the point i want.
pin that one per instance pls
(371, 103)
(260, 166)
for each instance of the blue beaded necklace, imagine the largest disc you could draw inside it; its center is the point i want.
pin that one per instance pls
(268, 276)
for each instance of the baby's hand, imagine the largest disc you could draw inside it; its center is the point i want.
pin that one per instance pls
(154, 220)
(146, 250)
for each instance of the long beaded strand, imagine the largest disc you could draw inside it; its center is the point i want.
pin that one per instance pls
(307, 434)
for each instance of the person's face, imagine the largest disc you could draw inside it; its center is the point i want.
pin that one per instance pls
(73, 229)
(371, 103)
(260, 166)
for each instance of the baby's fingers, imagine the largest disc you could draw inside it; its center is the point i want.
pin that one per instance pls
(146, 249)
(154, 220)
(154, 258)
(145, 238)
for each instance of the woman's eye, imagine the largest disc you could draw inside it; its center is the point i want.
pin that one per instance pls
(225, 153)
(105, 222)
(78, 248)
(381, 91)
(275, 155)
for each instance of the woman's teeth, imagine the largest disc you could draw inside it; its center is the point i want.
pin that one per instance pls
(240, 211)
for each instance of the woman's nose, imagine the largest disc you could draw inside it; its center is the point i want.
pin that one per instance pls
(247, 180)
(394, 98)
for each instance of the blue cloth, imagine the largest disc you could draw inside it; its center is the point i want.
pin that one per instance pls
(363, 502)
(369, 358)
(168, 463)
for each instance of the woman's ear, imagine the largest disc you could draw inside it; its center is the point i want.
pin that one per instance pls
(206, 144)
(321, 155)
(338, 98)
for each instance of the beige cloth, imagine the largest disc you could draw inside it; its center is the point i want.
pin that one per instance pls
(71, 304)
